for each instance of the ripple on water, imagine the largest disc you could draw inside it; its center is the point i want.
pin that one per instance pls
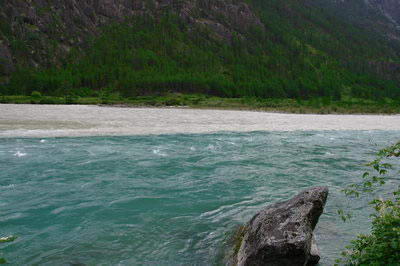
(171, 198)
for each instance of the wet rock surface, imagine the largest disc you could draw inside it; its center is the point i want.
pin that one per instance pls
(282, 233)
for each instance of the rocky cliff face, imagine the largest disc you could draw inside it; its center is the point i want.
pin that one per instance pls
(379, 16)
(390, 8)
(31, 30)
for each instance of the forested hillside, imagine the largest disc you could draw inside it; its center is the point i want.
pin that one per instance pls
(229, 48)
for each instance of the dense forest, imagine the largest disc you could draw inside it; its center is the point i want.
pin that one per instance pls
(301, 49)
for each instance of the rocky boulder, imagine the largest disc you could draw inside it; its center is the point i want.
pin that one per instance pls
(282, 233)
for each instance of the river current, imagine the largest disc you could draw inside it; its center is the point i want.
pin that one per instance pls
(170, 199)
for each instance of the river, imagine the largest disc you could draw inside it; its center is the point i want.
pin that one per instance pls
(89, 185)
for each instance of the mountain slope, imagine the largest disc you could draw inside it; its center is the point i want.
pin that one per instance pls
(389, 8)
(377, 16)
(42, 31)
(291, 48)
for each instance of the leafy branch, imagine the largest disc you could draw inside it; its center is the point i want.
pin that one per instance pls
(374, 178)
(382, 246)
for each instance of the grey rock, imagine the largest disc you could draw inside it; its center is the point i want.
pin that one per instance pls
(282, 233)
(315, 254)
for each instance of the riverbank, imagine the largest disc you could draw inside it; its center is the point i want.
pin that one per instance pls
(32, 120)
(312, 106)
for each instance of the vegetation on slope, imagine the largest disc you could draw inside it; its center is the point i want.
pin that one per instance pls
(302, 52)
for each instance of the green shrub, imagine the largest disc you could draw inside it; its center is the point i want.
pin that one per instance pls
(114, 97)
(196, 100)
(82, 92)
(107, 95)
(50, 100)
(173, 102)
(382, 246)
(35, 97)
(71, 99)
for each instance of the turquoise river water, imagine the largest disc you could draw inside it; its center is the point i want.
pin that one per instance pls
(169, 199)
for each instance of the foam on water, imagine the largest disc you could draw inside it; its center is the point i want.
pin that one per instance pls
(20, 154)
(159, 152)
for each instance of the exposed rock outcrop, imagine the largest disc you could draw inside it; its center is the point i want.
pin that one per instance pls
(282, 234)
(389, 8)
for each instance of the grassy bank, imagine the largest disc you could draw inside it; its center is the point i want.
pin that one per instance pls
(316, 106)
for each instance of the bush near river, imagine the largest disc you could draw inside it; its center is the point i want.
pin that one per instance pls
(315, 105)
(382, 245)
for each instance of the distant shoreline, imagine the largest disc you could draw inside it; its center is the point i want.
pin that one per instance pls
(290, 106)
(42, 121)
